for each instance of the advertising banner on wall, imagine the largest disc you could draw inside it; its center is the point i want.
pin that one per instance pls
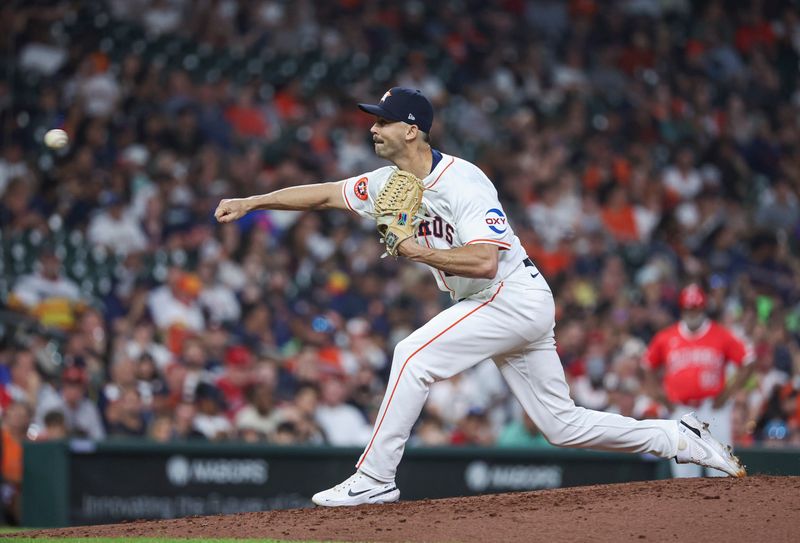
(114, 482)
(114, 487)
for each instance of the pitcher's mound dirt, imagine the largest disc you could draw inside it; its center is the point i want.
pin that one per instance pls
(697, 510)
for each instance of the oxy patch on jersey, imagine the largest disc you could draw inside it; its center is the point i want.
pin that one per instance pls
(360, 189)
(496, 221)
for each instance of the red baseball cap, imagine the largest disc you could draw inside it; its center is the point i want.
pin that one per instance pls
(239, 356)
(692, 297)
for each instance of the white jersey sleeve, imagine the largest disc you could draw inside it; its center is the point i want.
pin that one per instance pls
(464, 210)
(359, 192)
(481, 218)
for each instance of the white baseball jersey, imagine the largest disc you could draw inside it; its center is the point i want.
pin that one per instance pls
(463, 208)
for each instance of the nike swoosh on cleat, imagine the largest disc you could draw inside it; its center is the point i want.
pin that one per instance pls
(384, 492)
(353, 494)
(694, 430)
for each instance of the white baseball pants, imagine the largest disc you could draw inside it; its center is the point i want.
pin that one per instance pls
(511, 323)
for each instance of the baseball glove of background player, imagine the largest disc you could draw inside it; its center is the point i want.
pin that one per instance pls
(396, 208)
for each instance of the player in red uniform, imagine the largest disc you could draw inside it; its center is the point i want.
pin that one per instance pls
(686, 366)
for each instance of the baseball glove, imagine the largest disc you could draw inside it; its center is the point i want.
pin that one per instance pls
(396, 209)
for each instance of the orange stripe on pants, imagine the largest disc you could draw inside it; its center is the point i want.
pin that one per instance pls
(394, 388)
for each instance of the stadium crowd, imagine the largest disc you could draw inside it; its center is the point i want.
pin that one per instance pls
(637, 146)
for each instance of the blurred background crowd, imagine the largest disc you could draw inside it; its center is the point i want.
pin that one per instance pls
(637, 146)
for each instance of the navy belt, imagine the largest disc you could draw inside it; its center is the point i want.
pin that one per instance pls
(529, 264)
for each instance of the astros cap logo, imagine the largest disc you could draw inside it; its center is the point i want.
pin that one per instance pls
(403, 104)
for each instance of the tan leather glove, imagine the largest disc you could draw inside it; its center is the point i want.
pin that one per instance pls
(396, 209)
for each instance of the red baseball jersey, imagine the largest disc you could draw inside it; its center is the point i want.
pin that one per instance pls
(694, 363)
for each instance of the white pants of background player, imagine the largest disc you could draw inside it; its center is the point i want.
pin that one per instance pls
(511, 323)
(720, 424)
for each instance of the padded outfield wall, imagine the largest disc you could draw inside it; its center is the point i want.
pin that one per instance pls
(80, 482)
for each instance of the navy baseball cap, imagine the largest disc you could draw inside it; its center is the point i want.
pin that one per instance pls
(403, 104)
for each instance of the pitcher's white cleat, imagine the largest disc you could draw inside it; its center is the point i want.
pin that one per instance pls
(358, 489)
(696, 445)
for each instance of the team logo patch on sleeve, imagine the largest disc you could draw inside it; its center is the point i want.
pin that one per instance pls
(496, 221)
(360, 189)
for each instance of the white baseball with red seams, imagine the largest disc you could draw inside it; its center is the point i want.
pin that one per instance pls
(56, 138)
(509, 319)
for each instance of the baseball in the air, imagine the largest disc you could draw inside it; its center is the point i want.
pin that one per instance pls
(56, 138)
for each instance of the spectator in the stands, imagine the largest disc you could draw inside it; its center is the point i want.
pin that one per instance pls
(81, 413)
(183, 422)
(342, 424)
(55, 427)
(258, 414)
(474, 429)
(237, 374)
(178, 307)
(298, 424)
(16, 419)
(210, 419)
(18, 213)
(126, 415)
(26, 382)
(116, 228)
(49, 294)
(522, 432)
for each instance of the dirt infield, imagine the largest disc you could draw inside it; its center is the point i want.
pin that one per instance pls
(699, 510)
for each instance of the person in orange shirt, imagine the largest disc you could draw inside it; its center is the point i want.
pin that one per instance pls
(619, 217)
(16, 419)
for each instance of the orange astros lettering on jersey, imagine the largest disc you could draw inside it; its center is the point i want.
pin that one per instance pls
(360, 189)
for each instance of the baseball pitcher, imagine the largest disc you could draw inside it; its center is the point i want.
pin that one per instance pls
(443, 211)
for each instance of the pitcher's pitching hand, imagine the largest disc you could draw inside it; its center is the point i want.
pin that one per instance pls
(230, 210)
